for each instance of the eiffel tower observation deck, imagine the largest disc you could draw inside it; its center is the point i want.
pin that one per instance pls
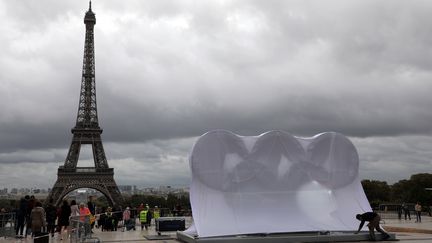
(87, 131)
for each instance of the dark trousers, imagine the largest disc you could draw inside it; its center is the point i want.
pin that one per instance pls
(51, 227)
(375, 224)
(407, 212)
(418, 216)
(20, 226)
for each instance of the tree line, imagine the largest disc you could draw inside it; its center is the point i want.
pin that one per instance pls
(418, 188)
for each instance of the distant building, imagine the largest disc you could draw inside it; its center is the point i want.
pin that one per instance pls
(4, 191)
(125, 189)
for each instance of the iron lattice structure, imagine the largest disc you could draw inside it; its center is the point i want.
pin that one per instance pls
(87, 131)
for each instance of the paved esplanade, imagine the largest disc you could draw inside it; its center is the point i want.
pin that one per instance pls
(406, 231)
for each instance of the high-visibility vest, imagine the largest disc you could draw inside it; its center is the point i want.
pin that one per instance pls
(156, 214)
(143, 216)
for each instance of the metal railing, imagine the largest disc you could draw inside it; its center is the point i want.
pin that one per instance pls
(81, 230)
(7, 225)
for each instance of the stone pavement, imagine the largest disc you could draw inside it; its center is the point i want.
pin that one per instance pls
(406, 231)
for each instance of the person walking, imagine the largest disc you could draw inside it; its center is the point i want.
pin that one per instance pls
(51, 216)
(418, 209)
(374, 223)
(65, 213)
(37, 217)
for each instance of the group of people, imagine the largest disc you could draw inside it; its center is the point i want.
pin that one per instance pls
(110, 219)
(144, 213)
(374, 219)
(404, 209)
(71, 215)
(31, 215)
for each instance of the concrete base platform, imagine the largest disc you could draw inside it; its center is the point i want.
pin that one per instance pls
(159, 237)
(283, 237)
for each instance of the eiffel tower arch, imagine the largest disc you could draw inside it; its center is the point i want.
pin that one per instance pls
(87, 131)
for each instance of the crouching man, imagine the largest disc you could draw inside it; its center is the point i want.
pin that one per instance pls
(374, 223)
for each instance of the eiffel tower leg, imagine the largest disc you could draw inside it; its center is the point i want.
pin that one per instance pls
(99, 154)
(116, 196)
(73, 154)
(55, 193)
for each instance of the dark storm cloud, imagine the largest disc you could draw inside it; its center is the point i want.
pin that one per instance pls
(357, 78)
(168, 71)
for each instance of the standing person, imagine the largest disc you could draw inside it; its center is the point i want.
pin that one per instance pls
(37, 217)
(133, 215)
(399, 211)
(156, 213)
(116, 216)
(149, 216)
(374, 223)
(127, 221)
(143, 218)
(109, 220)
(30, 206)
(74, 209)
(51, 216)
(418, 209)
(85, 218)
(92, 207)
(406, 211)
(21, 215)
(74, 217)
(65, 213)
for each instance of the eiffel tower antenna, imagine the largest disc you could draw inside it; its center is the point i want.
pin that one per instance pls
(87, 131)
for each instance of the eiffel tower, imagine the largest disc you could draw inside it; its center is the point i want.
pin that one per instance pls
(87, 131)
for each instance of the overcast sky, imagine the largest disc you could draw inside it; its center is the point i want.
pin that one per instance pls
(168, 71)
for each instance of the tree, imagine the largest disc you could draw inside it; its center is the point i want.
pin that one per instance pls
(401, 191)
(377, 192)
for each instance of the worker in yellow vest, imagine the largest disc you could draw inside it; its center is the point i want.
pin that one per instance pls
(156, 213)
(143, 218)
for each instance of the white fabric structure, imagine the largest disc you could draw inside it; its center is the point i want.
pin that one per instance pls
(274, 183)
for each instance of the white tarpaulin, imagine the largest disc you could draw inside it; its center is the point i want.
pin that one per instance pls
(274, 182)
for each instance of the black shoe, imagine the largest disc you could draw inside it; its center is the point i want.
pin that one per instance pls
(386, 237)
